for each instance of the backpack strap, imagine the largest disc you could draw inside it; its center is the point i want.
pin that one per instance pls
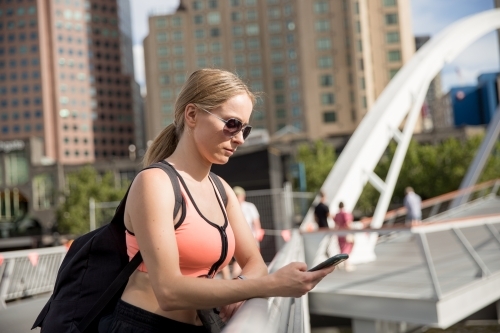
(124, 275)
(220, 187)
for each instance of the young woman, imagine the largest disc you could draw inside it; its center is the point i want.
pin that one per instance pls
(212, 113)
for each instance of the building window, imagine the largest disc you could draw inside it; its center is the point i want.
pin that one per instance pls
(178, 35)
(329, 117)
(215, 32)
(238, 44)
(390, 3)
(279, 99)
(277, 56)
(280, 113)
(161, 22)
(253, 43)
(326, 80)
(323, 44)
(275, 27)
(216, 47)
(322, 25)
(391, 19)
(279, 84)
(327, 98)
(325, 62)
(251, 15)
(239, 59)
(362, 83)
(236, 16)
(252, 29)
(201, 62)
(201, 48)
(254, 58)
(321, 7)
(274, 13)
(164, 65)
(199, 33)
(394, 56)
(237, 30)
(213, 18)
(197, 5)
(179, 50)
(212, 4)
(296, 111)
(176, 21)
(162, 51)
(255, 72)
(276, 41)
(392, 37)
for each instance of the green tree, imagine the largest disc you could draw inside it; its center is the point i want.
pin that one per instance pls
(73, 213)
(318, 159)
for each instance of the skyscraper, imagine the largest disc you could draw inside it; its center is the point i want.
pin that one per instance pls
(321, 64)
(66, 76)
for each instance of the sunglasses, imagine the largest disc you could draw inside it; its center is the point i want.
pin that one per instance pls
(233, 126)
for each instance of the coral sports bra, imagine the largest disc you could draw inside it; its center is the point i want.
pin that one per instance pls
(204, 247)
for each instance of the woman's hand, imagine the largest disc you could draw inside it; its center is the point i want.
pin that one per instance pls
(293, 280)
(227, 311)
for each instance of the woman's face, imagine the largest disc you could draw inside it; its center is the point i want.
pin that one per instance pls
(213, 143)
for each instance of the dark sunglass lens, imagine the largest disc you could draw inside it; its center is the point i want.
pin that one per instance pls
(246, 132)
(233, 125)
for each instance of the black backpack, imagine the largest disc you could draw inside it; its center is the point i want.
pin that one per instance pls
(95, 270)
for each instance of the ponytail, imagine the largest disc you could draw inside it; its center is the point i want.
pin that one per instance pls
(163, 146)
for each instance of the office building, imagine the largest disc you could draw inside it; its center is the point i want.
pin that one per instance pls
(320, 64)
(66, 77)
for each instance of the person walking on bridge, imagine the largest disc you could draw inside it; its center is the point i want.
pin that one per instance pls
(321, 212)
(182, 254)
(413, 203)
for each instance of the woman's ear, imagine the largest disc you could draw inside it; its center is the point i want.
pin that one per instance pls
(190, 115)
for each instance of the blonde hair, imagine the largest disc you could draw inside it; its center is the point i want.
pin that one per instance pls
(206, 88)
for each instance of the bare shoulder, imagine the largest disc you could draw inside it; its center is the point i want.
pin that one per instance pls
(151, 181)
(150, 190)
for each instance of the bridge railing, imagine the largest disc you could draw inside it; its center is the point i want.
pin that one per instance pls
(277, 314)
(29, 272)
(442, 203)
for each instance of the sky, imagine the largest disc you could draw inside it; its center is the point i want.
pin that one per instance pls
(428, 18)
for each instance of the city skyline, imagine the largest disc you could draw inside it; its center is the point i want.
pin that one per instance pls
(428, 18)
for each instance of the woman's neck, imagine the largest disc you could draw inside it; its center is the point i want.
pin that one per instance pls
(188, 159)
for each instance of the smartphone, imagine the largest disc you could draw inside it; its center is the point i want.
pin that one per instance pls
(335, 260)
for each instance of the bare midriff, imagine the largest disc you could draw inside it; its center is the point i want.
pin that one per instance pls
(139, 292)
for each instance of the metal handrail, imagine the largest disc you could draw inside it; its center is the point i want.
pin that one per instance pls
(436, 202)
(29, 272)
(277, 314)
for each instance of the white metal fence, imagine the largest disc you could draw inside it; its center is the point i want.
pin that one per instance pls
(29, 272)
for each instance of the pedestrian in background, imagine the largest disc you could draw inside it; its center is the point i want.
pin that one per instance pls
(413, 204)
(322, 212)
(253, 219)
(343, 221)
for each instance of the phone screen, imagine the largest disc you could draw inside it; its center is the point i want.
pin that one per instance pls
(335, 260)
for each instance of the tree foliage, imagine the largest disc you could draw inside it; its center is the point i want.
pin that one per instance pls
(73, 213)
(318, 160)
(431, 170)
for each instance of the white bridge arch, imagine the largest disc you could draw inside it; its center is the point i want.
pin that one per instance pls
(401, 99)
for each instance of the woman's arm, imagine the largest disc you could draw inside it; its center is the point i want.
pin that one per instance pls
(150, 206)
